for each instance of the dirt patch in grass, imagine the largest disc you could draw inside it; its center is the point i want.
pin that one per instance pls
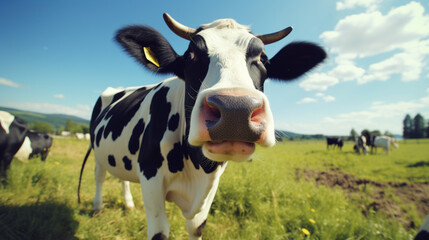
(396, 199)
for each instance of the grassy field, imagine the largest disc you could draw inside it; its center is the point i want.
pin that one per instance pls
(296, 190)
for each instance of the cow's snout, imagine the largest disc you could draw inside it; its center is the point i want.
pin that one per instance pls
(234, 118)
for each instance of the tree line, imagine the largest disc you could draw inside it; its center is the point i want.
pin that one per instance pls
(415, 127)
(70, 126)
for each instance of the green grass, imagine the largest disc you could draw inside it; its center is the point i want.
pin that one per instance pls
(261, 199)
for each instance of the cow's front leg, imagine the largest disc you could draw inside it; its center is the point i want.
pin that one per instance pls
(100, 174)
(129, 203)
(154, 203)
(196, 225)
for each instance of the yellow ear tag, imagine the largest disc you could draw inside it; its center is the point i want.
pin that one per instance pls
(150, 56)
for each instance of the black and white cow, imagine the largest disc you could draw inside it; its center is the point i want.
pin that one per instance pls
(12, 135)
(176, 137)
(360, 143)
(370, 139)
(35, 144)
(335, 141)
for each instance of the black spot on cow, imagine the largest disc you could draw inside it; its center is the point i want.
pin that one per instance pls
(159, 236)
(199, 160)
(121, 114)
(174, 122)
(199, 231)
(99, 135)
(134, 142)
(175, 158)
(112, 160)
(97, 110)
(127, 163)
(117, 96)
(150, 157)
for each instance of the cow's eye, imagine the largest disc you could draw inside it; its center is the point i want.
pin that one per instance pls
(263, 59)
(190, 56)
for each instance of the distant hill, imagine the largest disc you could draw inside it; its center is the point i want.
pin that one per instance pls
(56, 120)
(281, 134)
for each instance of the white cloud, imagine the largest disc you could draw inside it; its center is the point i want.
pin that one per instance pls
(307, 100)
(59, 96)
(318, 81)
(371, 33)
(328, 98)
(404, 29)
(347, 72)
(349, 4)
(4, 81)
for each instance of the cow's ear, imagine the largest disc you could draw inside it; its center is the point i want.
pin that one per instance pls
(149, 47)
(294, 60)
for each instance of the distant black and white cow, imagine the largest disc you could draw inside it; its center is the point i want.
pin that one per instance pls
(176, 137)
(35, 144)
(369, 139)
(360, 143)
(336, 141)
(12, 135)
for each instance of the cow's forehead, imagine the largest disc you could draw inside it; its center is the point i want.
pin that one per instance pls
(225, 35)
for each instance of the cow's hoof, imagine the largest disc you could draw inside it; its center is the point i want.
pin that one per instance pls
(96, 212)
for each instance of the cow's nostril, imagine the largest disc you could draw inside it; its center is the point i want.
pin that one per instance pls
(211, 114)
(258, 116)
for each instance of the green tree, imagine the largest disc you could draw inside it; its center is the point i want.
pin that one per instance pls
(72, 126)
(353, 134)
(427, 130)
(42, 127)
(419, 126)
(376, 133)
(408, 127)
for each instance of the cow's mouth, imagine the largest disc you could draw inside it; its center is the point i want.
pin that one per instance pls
(229, 150)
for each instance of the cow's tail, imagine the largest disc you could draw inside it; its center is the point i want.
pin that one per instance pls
(81, 171)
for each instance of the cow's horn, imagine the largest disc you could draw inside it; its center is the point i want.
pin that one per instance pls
(178, 28)
(274, 37)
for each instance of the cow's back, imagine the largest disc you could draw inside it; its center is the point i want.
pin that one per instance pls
(134, 122)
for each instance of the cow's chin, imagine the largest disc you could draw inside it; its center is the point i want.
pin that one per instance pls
(228, 151)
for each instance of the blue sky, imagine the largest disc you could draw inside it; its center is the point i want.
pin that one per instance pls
(58, 56)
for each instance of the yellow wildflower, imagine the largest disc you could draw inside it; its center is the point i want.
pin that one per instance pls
(313, 210)
(312, 221)
(56, 163)
(305, 231)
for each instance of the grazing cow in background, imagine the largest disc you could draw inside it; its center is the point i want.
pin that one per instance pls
(360, 142)
(384, 142)
(176, 137)
(35, 144)
(369, 139)
(423, 233)
(334, 141)
(12, 135)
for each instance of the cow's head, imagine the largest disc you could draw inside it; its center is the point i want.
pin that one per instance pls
(224, 70)
(47, 143)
